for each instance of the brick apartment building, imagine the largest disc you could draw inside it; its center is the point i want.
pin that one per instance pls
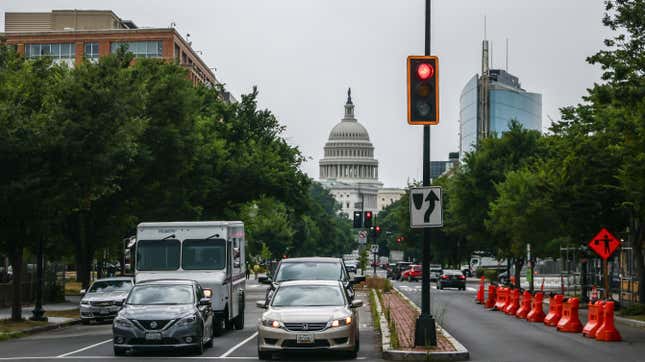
(69, 36)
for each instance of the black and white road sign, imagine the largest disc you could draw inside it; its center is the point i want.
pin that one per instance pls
(374, 248)
(362, 237)
(426, 210)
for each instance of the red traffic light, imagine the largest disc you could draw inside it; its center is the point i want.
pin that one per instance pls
(378, 229)
(398, 240)
(425, 71)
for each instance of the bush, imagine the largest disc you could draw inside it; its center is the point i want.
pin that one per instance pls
(479, 272)
(490, 274)
(634, 309)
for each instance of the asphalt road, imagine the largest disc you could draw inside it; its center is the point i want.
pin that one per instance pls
(94, 342)
(494, 336)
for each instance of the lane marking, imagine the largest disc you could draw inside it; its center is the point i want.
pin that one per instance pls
(84, 348)
(238, 345)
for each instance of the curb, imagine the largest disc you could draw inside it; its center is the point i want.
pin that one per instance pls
(629, 322)
(460, 353)
(45, 328)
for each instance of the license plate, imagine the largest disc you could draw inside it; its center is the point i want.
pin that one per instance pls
(305, 338)
(104, 311)
(153, 336)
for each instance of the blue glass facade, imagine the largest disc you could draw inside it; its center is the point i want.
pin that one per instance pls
(468, 116)
(506, 101)
(508, 104)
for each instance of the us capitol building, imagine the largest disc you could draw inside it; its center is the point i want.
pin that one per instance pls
(349, 170)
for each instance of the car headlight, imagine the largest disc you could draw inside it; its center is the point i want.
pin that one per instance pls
(85, 302)
(187, 320)
(123, 323)
(271, 323)
(341, 322)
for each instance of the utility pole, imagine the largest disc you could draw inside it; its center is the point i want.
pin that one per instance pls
(425, 329)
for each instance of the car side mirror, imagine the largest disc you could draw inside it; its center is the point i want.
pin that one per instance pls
(205, 301)
(265, 280)
(357, 303)
(83, 292)
(261, 304)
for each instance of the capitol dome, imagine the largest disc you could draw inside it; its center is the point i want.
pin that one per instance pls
(349, 154)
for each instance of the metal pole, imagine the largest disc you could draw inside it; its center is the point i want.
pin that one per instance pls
(607, 291)
(425, 331)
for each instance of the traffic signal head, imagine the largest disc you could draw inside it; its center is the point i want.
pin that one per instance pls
(367, 221)
(358, 219)
(423, 90)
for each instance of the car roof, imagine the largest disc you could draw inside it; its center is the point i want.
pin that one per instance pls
(310, 282)
(114, 279)
(168, 281)
(318, 259)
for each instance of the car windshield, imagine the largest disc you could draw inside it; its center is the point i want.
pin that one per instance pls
(158, 254)
(203, 254)
(161, 294)
(309, 271)
(107, 286)
(308, 296)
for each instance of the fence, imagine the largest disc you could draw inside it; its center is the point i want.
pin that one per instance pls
(53, 286)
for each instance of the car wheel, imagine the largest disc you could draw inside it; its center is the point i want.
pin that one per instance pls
(228, 323)
(119, 351)
(264, 355)
(218, 326)
(440, 286)
(238, 322)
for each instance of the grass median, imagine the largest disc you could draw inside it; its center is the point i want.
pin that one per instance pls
(14, 329)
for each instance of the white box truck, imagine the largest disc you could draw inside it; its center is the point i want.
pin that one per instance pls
(209, 252)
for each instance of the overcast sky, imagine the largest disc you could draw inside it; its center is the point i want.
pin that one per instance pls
(303, 54)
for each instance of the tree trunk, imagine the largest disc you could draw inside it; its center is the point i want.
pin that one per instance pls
(636, 236)
(16, 255)
(84, 267)
(518, 262)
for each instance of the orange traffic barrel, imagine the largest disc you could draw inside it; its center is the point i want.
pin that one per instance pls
(607, 330)
(555, 310)
(594, 319)
(570, 322)
(537, 313)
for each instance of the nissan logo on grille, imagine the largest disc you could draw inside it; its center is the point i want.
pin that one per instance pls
(305, 327)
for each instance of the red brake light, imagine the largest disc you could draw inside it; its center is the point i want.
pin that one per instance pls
(444, 277)
(462, 277)
(425, 71)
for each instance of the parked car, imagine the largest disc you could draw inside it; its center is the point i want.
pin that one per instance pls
(161, 314)
(104, 298)
(351, 266)
(309, 314)
(452, 279)
(413, 273)
(399, 268)
(435, 271)
(313, 268)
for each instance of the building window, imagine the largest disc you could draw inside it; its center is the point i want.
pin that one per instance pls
(55, 50)
(142, 49)
(92, 51)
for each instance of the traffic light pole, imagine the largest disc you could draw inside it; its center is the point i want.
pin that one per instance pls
(425, 331)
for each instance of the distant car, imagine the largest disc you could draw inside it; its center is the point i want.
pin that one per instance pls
(452, 279)
(309, 315)
(412, 274)
(164, 314)
(351, 266)
(435, 271)
(399, 268)
(104, 298)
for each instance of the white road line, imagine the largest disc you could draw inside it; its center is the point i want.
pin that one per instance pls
(238, 345)
(84, 348)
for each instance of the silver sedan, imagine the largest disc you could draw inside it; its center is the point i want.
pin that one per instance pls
(309, 315)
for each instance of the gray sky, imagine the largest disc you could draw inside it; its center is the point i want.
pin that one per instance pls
(303, 54)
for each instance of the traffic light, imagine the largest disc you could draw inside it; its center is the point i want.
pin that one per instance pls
(423, 90)
(367, 221)
(358, 219)
(377, 231)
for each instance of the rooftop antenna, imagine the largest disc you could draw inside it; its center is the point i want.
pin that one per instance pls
(484, 27)
(506, 54)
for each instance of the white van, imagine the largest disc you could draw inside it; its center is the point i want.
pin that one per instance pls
(209, 252)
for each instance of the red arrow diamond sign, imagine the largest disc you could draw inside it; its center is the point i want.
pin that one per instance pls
(604, 244)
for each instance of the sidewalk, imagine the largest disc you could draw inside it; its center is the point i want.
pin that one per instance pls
(70, 303)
